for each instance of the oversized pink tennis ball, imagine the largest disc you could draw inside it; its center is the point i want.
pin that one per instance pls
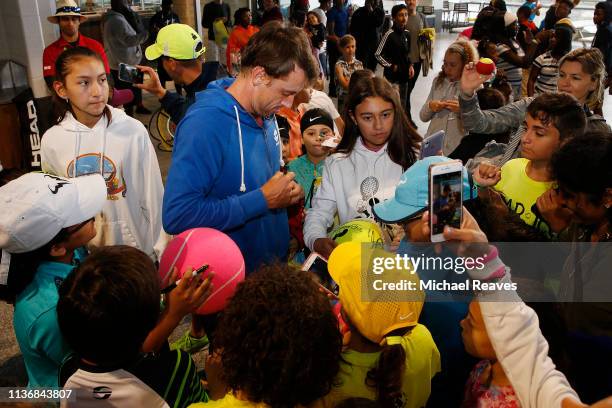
(205, 246)
(485, 66)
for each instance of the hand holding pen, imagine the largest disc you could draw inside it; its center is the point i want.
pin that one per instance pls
(175, 283)
(186, 295)
(281, 190)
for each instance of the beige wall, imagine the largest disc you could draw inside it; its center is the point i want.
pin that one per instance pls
(186, 10)
(24, 34)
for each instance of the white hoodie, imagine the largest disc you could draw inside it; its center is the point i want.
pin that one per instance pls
(514, 331)
(132, 213)
(522, 350)
(349, 184)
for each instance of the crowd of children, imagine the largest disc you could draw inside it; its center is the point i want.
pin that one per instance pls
(82, 241)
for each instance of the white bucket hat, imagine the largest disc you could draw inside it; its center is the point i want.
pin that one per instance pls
(66, 8)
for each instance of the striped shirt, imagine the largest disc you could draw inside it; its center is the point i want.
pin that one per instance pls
(167, 379)
(549, 73)
(347, 70)
(513, 73)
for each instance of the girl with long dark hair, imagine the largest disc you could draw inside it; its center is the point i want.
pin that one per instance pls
(93, 137)
(378, 145)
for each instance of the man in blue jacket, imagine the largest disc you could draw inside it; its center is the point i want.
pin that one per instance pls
(225, 171)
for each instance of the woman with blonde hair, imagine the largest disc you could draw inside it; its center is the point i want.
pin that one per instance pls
(581, 74)
(587, 65)
(442, 106)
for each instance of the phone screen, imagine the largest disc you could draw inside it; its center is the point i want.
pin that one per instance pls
(319, 267)
(128, 73)
(446, 201)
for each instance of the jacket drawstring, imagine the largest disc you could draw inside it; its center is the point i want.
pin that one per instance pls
(103, 151)
(77, 150)
(242, 185)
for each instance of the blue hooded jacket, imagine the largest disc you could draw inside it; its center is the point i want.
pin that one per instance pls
(221, 158)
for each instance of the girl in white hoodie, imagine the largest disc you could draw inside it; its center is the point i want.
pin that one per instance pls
(378, 145)
(97, 138)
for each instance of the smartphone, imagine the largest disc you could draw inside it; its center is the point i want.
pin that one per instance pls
(445, 197)
(316, 264)
(330, 143)
(433, 144)
(131, 74)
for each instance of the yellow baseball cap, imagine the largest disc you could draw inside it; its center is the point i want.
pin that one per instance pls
(178, 41)
(351, 267)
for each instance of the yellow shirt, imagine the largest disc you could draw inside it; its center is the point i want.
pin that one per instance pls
(520, 192)
(422, 363)
(228, 401)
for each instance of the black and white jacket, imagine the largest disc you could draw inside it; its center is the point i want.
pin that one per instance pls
(394, 50)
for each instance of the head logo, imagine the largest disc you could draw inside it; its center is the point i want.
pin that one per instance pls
(102, 393)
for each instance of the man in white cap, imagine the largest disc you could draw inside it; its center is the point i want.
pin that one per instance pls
(68, 16)
(180, 51)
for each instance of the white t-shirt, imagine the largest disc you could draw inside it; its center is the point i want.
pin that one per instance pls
(320, 100)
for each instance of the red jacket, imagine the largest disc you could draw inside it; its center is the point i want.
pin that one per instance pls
(53, 51)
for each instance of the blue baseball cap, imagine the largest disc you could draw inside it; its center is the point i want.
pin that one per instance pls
(412, 192)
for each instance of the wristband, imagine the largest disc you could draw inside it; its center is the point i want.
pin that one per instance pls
(493, 267)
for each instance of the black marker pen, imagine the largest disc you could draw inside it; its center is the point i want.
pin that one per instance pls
(198, 271)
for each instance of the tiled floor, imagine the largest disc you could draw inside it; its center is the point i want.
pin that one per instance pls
(11, 363)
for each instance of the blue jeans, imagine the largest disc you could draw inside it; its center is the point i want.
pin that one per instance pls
(325, 67)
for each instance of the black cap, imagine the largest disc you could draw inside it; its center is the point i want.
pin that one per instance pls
(283, 127)
(316, 117)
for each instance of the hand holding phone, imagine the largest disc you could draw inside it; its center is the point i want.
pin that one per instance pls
(445, 197)
(472, 241)
(130, 73)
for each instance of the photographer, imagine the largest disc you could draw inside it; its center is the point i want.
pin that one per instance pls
(179, 50)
